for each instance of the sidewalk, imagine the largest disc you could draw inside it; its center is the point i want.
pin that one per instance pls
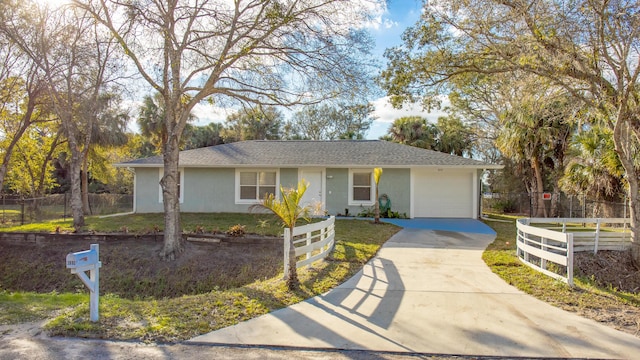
(428, 291)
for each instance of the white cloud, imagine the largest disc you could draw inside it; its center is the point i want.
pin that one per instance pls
(386, 114)
(206, 114)
(388, 23)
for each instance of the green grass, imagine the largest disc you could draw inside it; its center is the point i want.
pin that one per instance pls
(180, 318)
(265, 224)
(28, 306)
(583, 298)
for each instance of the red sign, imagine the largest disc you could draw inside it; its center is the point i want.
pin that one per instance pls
(546, 196)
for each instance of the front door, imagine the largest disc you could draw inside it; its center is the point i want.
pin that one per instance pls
(313, 196)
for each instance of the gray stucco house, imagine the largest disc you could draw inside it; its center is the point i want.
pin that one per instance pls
(232, 177)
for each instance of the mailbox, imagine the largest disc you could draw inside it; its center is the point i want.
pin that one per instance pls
(81, 262)
(82, 258)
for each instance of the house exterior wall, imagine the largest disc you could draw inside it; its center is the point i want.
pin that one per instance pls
(147, 190)
(213, 190)
(289, 177)
(209, 190)
(393, 182)
(396, 184)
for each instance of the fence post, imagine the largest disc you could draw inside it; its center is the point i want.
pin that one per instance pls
(595, 246)
(570, 259)
(570, 206)
(543, 246)
(308, 243)
(22, 211)
(323, 235)
(287, 236)
(64, 214)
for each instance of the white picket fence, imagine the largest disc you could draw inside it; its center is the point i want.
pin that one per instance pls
(544, 240)
(316, 242)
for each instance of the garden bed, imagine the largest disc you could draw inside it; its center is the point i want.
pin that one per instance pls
(131, 267)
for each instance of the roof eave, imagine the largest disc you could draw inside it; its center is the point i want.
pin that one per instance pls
(390, 166)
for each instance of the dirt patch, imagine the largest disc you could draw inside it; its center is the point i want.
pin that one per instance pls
(609, 269)
(132, 268)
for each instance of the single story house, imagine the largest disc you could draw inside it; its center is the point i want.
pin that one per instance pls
(232, 177)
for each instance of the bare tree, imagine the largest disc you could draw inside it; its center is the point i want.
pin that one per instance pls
(255, 51)
(77, 63)
(591, 48)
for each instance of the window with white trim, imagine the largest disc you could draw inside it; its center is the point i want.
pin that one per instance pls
(253, 185)
(361, 189)
(180, 182)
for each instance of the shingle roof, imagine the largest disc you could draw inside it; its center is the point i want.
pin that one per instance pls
(307, 153)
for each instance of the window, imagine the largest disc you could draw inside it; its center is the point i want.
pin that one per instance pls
(180, 181)
(254, 185)
(360, 187)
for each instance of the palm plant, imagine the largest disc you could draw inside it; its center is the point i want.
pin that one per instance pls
(377, 173)
(289, 211)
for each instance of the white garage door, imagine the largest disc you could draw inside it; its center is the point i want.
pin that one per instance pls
(443, 194)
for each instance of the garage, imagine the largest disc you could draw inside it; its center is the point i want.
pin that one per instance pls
(444, 193)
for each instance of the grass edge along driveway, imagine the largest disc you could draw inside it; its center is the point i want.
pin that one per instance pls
(181, 318)
(620, 310)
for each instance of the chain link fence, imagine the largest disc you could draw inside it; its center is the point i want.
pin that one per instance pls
(15, 210)
(553, 205)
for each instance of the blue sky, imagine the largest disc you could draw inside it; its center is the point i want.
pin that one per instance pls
(387, 32)
(400, 15)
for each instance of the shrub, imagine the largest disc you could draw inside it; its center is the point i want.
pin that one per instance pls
(505, 206)
(236, 230)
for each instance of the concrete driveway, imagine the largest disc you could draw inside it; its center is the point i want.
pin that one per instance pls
(428, 291)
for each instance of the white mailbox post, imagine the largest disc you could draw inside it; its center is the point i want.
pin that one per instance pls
(79, 263)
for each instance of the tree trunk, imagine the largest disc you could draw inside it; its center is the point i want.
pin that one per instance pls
(85, 185)
(626, 155)
(173, 242)
(292, 276)
(76, 187)
(540, 210)
(634, 215)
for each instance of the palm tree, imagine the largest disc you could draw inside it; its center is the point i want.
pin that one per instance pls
(377, 173)
(289, 211)
(455, 137)
(413, 131)
(151, 120)
(108, 130)
(594, 168)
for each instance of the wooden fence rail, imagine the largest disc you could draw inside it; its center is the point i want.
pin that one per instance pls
(314, 241)
(536, 247)
(591, 234)
(544, 240)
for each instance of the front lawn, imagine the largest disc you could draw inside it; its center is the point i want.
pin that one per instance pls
(258, 223)
(201, 306)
